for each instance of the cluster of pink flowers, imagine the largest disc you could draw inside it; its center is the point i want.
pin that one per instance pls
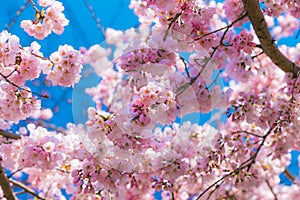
(9, 49)
(103, 92)
(233, 9)
(276, 8)
(17, 104)
(19, 64)
(136, 140)
(244, 41)
(49, 19)
(287, 26)
(134, 60)
(140, 112)
(40, 150)
(293, 7)
(67, 66)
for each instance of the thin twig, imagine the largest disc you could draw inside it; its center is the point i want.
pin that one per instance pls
(19, 193)
(271, 189)
(246, 164)
(94, 16)
(9, 176)
(249, 133)
(185, 67)
(19, 12)
(215, 79)
(182, 88)
(26, 189)
(38, 56)
(171, 23)
(217, 186)
(255, 56)
(21, 88)
(34, 6)
(240, 17)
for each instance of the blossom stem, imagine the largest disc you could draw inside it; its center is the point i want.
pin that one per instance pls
(34, 6)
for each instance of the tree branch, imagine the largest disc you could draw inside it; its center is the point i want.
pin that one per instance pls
(9, 135)
(271, 189)
(267, 42)
(289, 175)
(5, 185)
(26, 189)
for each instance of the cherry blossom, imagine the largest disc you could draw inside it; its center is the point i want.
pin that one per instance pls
(67, 66)
(146, 131)
(49, 19)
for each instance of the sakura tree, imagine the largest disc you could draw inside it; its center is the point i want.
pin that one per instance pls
(197, 102)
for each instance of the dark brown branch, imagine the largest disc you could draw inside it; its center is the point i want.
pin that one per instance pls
(289, 175)
(240, 17)
(13, 173)
(9, 135)
(271, 189)
(267, 42)
(5, 185)
(248, 133)
(26, 189)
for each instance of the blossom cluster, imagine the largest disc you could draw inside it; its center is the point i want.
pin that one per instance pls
(67, 65)
(136, 139)
(20, 64)
(16, 67)
(39, 151)
(275, 8)
(49, 19)
(17, 104)
(134, 60)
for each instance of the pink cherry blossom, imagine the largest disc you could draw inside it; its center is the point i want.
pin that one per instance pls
(192, 104)
(49, 19)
